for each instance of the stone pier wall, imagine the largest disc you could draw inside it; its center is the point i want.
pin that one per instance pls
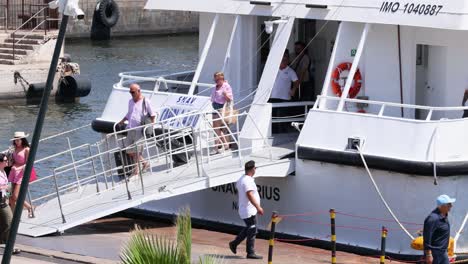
(135, 20)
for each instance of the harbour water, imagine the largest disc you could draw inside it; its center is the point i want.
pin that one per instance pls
(101, 62)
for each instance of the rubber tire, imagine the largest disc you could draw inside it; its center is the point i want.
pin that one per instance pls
(109, 19)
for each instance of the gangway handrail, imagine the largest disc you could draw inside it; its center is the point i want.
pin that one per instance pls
(195, 146)
(34, 16)
(69, 164)
(64, 133)
(60, 153)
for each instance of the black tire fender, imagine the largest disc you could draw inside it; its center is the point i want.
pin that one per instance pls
(108, 12)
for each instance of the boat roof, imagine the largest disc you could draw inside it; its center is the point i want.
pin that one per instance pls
(432, 14)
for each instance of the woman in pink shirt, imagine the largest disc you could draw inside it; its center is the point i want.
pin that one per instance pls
(20, 156)
(220, 95)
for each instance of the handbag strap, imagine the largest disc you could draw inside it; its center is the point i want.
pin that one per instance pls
(143, 110)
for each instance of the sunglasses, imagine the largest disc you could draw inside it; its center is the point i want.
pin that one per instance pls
(5, 160)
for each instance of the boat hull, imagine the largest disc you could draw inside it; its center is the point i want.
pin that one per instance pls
(318, 187)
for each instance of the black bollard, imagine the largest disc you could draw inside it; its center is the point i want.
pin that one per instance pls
(333, 235)
(382, 245)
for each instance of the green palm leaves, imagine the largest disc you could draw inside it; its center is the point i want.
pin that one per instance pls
(146, 248)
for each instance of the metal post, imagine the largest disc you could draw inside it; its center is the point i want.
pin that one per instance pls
(124, 158)
(94, 168)
(110, 161)
(354, 67)
(171, 160)
(209, 136)
(274, 220)
(382, 245)
(203, 55)
(139, 170)
(74, 166)
(163, 135)
(45, 21)
(102, 166)
(195, 150)
(147, 146)
(333, 235)
(14, 40)
(34, 143)
(239, 152)
(58, 198)
(157, 151)
(7, 15)
(185, 147)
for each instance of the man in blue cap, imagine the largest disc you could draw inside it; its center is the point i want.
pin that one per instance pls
(436, 232)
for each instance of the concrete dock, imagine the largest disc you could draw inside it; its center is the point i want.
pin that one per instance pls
(101, 242)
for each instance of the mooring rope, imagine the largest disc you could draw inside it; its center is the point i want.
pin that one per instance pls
(381, 196)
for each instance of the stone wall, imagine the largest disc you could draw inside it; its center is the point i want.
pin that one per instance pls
(135, 20)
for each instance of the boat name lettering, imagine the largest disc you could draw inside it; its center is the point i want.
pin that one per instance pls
(186, 100)
(185, 121)
(410, 8)
(264, 191)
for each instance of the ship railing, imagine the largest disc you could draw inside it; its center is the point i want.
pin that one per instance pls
(384, 106)
(100, 170)
(44, 9)
(151, 80)
(292, 118)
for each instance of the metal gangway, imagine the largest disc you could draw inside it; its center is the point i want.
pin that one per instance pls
(87, 182)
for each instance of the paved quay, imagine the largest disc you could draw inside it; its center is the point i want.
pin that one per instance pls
(101, 241)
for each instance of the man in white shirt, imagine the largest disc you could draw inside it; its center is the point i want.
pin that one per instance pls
(249, 206)
(283, 91)
(138, 108)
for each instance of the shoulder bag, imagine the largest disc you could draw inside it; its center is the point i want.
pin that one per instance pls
(146, 120)
(229, 113)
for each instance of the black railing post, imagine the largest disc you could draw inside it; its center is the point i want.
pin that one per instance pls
(34, 143)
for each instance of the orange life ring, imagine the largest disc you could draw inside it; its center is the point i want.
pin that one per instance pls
(335, 80)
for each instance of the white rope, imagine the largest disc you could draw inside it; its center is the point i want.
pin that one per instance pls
(381, 196)
(457, 235)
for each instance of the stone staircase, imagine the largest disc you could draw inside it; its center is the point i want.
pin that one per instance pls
(23, 48)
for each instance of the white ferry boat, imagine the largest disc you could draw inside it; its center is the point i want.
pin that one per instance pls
(378, 160)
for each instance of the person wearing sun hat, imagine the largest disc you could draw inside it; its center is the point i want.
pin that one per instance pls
(20, 156)
(436, 233)
(6, 214)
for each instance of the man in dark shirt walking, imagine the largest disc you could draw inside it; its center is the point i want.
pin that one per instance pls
(437, 232)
